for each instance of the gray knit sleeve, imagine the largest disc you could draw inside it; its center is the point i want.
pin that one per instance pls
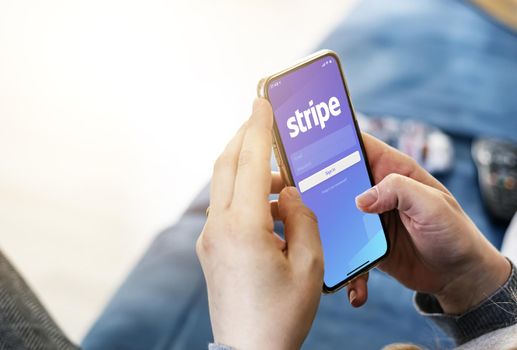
(497, 311)
(24, 322)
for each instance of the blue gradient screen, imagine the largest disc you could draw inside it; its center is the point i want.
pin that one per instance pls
(319, 138)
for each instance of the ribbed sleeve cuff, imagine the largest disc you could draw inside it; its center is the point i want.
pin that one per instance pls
(495, 312)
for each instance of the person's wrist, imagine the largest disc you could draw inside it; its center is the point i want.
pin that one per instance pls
(484, 274)
(240, 337)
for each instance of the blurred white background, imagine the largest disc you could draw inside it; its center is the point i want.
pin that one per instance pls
(112, 113)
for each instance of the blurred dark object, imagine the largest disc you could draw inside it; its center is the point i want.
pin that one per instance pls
(426, 144)
(496, 162)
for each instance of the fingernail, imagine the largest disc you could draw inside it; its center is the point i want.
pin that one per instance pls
(367, 198)
(352, 295)
(292, 192)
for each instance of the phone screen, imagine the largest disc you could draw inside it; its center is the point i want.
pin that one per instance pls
(325, 158)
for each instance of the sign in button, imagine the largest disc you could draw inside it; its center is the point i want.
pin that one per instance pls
(312, 156)
(330, 171)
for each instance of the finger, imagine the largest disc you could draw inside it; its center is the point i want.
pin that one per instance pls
(253, 178)
(402, 193)
(301, 232)
(385, 160)
(225, 168)
(358, 291)
(277, 183)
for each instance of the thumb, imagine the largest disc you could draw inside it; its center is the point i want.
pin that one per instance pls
(301, 232)
(399, 192)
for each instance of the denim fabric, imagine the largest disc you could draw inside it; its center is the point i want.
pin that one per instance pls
(439, 61)
(162, 303)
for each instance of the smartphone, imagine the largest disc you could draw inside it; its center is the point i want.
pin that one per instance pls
(319, 149)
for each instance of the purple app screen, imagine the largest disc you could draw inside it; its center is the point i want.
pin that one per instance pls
(317, 131)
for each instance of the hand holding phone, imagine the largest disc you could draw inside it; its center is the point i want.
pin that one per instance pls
(263, 292)
(437, 249)
(320, 150)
